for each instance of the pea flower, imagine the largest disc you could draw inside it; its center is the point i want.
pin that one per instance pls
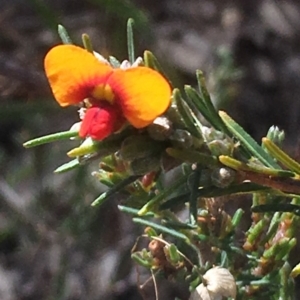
(137, 94)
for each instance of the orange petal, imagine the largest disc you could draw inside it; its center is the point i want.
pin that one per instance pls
(73, 72)
(142, 93)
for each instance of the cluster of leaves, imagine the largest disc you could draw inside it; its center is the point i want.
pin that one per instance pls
(175, 177)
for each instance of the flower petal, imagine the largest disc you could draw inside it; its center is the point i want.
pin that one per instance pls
(142, 93)
(100, 122)
(73, 72)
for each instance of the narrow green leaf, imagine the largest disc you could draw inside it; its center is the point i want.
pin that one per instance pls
(248, 142)
(161, 228)
(87, 43)
(151, 62)
(141, 261)
(256, 231)
(281, 156)
(241, 166)
(194, 99)
(186, 114)
(64, 135)
(101, 148)
(84, 149)
(277, 207)
(273, 226)
(173, 254)
(154, 202)
(118, 187)
(208, 192)
(178, 225)
(175, 201)
(214, 117)
(239, 189)
(130, 41)
(236, 219)
(132, 211)
(64, 36)
(67, 166)
(107, 182)
(114, 62)
(262, 282)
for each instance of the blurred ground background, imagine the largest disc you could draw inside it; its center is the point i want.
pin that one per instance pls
(53, 245)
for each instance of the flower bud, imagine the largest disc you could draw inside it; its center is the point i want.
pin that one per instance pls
(210, 134)
(276, 135)
(220, 147)
(217, 141)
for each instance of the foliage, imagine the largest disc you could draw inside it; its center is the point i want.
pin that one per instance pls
(177, 176)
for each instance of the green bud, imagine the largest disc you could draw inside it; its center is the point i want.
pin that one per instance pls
(276, 135)
(210, 134)
(220, 147)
